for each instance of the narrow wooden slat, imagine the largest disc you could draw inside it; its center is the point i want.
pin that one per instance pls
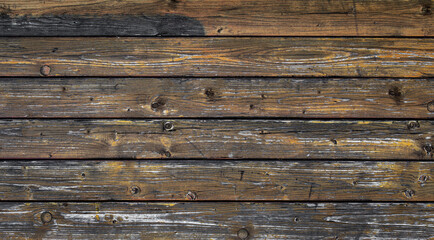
(344, 57)
(216, 180)
(235, 97)
(216, 220)
(216, 139)
(212, 18)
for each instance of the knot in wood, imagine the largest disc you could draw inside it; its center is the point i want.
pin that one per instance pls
(46, 217)
(430, 106)
(413, 125)
(191, 195)
(409, 193)
(426, 10)
(158, 104)
(423, 179)
(427, 148)
(135, 190)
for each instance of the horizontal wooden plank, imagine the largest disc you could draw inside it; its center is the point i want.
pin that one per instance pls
(221, 97)
(346, 57)
(216, 139)
(216, 180)
(221, 220)
(213, 18)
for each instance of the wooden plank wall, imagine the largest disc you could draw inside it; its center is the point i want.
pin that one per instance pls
(230, 119)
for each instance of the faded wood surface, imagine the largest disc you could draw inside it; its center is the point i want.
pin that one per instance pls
(232, 139)
(134, 180)
(213, 18)
(216, 220)
(285, 57)
(83, 138)
(216, 97)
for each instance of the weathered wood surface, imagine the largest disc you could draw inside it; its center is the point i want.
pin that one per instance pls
(215, 220)
(212, 18)
(183, 138)
(216, 180)
(221, 97)
(285, 57)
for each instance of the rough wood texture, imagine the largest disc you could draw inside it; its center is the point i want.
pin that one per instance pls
(216, 139)
(216, 180)
(344, 57)
(223, 17)
(216, 220)
(194, 97)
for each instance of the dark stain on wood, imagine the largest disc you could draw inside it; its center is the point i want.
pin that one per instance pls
(70, 25)
(232, 148)
(218, 18)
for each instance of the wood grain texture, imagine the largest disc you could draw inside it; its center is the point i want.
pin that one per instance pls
(216, 180)
(216, 220)
(207, 139)
(285, 57)
(223, 17)
(210, 97)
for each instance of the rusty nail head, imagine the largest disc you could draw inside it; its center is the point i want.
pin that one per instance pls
(45, 70)
(46, 217)
(243, 233)
(191, 195)
(168, 126)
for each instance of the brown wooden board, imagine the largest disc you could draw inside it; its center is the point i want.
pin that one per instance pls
(224, 220)
(284, 57)
(132, 180)
(210, 138)
(216, 97)
(216, 18)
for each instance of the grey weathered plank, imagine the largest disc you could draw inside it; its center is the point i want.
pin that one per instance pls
(211, 220)
(211, 138)
(107, 25)
(212, 18)
(284, 57)
(216, 97)
(134, 180)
